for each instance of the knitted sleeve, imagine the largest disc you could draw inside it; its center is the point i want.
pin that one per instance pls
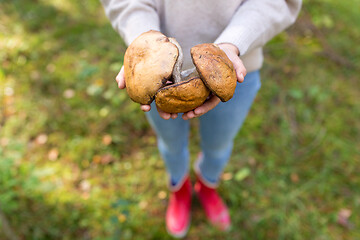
(257, 21)
(130, 18)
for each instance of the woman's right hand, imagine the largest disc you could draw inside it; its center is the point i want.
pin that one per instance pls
(120, 79)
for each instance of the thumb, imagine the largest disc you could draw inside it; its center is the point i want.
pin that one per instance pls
(239, 68)
(120, 78)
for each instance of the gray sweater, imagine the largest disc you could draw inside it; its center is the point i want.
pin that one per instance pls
(248, 24)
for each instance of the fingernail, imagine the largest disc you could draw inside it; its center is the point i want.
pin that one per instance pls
(242, 76)
(197, 111)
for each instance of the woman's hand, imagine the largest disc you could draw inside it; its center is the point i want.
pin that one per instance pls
(120, 79)
(209, 104)
(233, 54)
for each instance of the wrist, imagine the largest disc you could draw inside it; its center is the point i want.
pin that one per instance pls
(230, 47)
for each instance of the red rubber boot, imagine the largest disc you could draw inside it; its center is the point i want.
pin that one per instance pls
(215, 209)
(178, 212)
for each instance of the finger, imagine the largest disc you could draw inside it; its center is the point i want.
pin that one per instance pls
(145, 108)
(233, 53)
(240, 77)
(174, 115)
(120, 78)
(120, 74)
(163, 115)
(188, 115)
(207, 106)
(239, 69)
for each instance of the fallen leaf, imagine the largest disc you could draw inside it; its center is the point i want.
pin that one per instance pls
(242, 174)
(99, 82)
(294, 177)
(161, 195)
(343, 218)
(227, 176)
(107, 139)
(106, 159)
(96, 159)
(252, 161)
(85, 186)
(53, 154)
(8, 91)
(121, 218)
(41, 139)
(143, 204)
(69, 93)
(4, 142)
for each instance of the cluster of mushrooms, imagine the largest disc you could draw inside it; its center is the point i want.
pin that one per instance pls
(152, 66)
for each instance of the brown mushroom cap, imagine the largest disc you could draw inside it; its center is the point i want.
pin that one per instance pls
(182, 97)
(215, 69)
(148, 63)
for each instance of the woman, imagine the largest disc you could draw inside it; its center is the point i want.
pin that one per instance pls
(240, 28)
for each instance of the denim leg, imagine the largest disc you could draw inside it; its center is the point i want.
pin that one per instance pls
(219, 127)
(172, 139)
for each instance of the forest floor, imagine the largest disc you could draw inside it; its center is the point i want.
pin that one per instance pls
(78, 159)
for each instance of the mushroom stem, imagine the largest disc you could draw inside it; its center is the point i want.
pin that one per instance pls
(188, 72)
(176, 75)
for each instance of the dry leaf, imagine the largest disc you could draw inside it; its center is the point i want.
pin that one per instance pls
(106, 159)
(107, 139)
(143, 204)
(252, 161)
(85, 186)
(53, 154)
(294, 177)
(8, 91)
(227, 176)
(96, 159)
(41, 139)
(69, 93)
(99, 82)
(161, 195)
(121, 218)
(4, 142)
(343, 217)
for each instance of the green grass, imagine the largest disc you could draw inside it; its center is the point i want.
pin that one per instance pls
(78, 159)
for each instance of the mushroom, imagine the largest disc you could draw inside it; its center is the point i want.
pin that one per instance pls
(182, 96)
(215, 69)
(148, 64)
(152, 66)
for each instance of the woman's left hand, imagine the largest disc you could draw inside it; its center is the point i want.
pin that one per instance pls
(233, 54)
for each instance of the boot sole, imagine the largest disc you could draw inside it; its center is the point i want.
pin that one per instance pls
(182, 233)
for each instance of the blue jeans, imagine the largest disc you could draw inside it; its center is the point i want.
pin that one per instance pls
(218, 129)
